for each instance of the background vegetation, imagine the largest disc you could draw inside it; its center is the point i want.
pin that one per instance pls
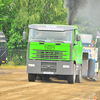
(15, 14)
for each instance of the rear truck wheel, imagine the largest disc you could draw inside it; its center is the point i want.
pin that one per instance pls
(31, 77)
(71, 78)
(96, 76)
(79, 76)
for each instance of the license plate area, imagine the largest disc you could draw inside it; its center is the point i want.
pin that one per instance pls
(48, 66)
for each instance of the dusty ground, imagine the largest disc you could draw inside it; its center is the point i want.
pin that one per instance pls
(15, 86)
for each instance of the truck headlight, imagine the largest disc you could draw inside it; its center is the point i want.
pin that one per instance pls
(66, 66)
(31, 65)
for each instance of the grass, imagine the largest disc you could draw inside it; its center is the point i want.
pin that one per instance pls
(10, 65)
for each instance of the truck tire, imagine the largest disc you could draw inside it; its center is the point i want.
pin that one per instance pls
(31, 77)
(71, 78)
(79, 77)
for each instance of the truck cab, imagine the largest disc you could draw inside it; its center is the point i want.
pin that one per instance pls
(54, 50)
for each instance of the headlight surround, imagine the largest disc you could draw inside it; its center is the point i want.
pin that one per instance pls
(31, 65)
(66, 66)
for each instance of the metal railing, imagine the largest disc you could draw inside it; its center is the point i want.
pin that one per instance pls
(17, 56)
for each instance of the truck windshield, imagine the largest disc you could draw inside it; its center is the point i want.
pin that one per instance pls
(65, 36)
(3, 43)
(86, 38)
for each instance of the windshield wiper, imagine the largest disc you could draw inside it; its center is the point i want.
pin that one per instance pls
(39, 40)
(60, 41)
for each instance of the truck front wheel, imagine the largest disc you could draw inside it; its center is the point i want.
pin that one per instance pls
(79, 76)
(71, 78)
(31, 77)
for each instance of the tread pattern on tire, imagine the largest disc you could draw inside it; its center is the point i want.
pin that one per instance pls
(78, 77)
(31, 77)
(71, 77)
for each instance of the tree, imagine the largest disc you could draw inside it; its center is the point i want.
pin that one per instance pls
(34, 12)
(85, 26)
(7, 13)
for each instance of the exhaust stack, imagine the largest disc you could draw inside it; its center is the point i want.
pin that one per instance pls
(73, 6)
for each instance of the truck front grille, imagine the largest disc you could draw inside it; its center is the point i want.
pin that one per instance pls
(48, 67)
(48, 70)
(49, 54)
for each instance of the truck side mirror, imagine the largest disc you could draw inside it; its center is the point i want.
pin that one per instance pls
(24, 35)
(78, 38)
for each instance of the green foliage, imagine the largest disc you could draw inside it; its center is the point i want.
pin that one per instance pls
(34, 12)
(4, 12)
(17, 56)
(16, 14)
(85, 26)
(41, 12)
(16, 39)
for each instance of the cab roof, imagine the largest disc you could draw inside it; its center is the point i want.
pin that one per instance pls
(52, 27)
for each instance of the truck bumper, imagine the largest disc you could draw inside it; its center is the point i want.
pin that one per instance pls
(50, 67)
(3, 62)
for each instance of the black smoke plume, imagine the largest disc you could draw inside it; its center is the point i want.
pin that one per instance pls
(73, 7)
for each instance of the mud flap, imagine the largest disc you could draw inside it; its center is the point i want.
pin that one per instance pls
(85, 68)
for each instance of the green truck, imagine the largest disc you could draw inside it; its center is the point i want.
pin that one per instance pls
(54, 50)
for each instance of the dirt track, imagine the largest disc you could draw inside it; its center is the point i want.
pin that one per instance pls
(15, 86)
